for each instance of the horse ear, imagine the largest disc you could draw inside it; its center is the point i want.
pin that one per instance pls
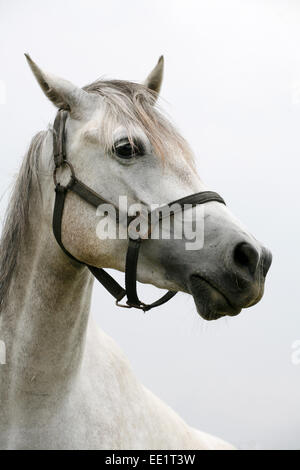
(154, 79)
(62, 93)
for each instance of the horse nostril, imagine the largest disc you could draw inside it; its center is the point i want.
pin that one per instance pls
(246, 256)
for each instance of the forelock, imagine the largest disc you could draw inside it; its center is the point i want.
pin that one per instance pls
(132, 105)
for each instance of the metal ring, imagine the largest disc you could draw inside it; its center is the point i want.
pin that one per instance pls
(122, 305)
(141, 306)
(70, 166)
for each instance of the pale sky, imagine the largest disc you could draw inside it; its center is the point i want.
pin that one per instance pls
(232, 85)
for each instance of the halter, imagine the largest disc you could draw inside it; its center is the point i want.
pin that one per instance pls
(86, 193)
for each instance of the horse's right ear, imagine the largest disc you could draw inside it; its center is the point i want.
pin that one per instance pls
(62, 93)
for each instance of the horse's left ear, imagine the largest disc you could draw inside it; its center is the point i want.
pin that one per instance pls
(154, 79)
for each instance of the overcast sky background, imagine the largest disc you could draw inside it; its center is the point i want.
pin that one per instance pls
(232, 84)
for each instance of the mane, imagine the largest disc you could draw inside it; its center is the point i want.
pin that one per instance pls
(16, 216)
(126, 103)
(134, 105)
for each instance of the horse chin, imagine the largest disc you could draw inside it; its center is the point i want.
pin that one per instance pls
(211, 304)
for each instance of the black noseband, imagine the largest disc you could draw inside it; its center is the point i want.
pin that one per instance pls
(86, 193)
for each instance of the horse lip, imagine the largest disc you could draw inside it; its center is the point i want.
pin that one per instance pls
(235, 309)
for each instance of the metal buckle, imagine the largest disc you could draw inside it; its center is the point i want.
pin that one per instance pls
(140, 307)
(122, 305)
(72, 178)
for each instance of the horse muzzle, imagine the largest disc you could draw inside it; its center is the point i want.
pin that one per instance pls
(237, 285)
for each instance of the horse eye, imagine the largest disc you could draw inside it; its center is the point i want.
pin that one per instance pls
(126, 150)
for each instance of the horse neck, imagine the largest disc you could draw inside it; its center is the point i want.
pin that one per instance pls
(45, 319)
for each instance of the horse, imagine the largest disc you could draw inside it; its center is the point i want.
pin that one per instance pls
(65, 383)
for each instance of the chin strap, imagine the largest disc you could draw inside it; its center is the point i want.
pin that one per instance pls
(90, 196)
